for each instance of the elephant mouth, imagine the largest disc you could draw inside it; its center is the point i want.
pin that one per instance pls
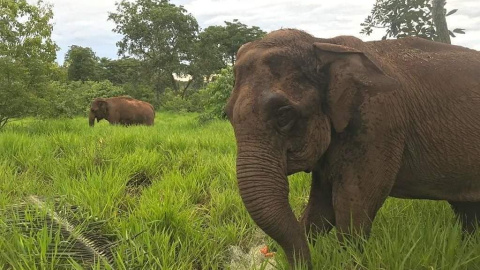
(291, 171)
(295, 166)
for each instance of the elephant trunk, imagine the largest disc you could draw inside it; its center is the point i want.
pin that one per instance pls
(264, 189)
(91, 119)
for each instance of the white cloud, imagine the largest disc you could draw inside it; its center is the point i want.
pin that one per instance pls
(271, 14)
(85, 22)
(323, 18)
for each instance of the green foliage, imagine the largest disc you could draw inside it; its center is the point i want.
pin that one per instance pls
(139, 91)
(25, 31)
(168, 193)
(15, 98)
(403, 18)
(217, 45)
(81, 63)
(239, 34)
(209, 101)
(209, 55)
(159, 34)
(216, 94)
(160, 39)
(127, 73)
(27, 53)
(120, 71)
(69, 99)
(172, 101)
(59, 73)
(164, 40)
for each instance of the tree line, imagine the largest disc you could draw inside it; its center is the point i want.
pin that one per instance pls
(164, 56)
(161, 43)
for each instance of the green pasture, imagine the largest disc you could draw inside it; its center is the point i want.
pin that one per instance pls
(165, 197)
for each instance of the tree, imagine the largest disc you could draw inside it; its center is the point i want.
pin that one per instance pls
(27, 55)
(81, 63)
(159, 34)
(403, 18)
(128, 73)
(239, 34)
(120, 71)
(218, 45)
(226, 40)
(440, 21)
(209, 52)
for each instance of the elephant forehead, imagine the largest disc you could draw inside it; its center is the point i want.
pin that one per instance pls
(265, 59)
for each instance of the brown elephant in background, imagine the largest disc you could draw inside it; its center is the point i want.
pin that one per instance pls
(122, 110)
(370, 120)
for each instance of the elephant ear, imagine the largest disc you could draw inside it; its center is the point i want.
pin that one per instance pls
(348, 71)
(103, 105)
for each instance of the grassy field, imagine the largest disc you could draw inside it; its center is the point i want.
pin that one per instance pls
(166, 196)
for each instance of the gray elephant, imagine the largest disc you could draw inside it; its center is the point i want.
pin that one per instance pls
(370, 120)
(122, 110)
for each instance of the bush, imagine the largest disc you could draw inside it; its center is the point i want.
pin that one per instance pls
(140, 91)
(209, 101)
(216, 94)
(173, 101)
(27, 55)
(73, 98)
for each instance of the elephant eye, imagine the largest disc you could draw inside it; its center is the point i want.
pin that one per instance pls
(286, 117)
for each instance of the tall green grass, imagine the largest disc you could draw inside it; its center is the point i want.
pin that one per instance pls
(169, 198)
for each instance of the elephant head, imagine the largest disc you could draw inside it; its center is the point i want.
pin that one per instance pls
(292, 92)
(98, 110)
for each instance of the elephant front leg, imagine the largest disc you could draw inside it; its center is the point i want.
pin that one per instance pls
(469, 215)
(355, 209)
(361, 186)
(319, 216)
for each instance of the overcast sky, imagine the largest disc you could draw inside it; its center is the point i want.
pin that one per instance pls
(84, 23)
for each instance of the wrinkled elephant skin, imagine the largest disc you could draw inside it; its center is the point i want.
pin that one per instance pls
(370, 120)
